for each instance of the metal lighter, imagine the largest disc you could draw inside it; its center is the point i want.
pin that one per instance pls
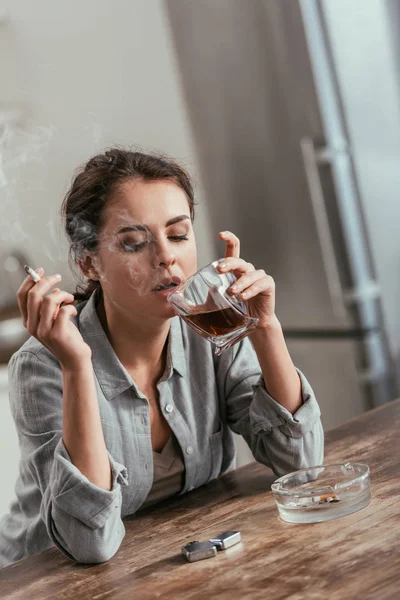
(226, 540)
(199, 551)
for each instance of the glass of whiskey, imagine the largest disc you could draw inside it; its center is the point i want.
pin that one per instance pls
(203, 302)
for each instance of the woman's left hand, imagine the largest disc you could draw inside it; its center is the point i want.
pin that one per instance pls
(254, 286)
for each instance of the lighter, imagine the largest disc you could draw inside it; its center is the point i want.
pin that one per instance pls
(198, 551)
(226, 540)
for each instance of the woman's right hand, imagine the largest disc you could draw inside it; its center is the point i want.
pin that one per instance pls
(50, 323)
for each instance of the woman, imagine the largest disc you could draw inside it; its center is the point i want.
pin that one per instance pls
(117, 404)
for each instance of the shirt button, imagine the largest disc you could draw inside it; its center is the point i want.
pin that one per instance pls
(169, 408)
(189, 450)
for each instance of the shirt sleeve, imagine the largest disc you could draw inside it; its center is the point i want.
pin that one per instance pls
(278, 439)
(82, 519)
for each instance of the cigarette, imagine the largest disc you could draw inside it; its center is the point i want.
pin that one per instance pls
(32, 273)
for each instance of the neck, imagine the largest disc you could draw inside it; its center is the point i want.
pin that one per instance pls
(139, 343)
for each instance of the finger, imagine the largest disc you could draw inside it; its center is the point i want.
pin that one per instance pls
(235, 264)
(262, 286)
(246, 280)
(49, 310)
(35, 297)
(68, 300)
(22, 294)
(64, 315)
(232, 243)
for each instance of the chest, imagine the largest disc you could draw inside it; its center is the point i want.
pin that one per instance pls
(160, 430)
(156, 415)
(191, 410)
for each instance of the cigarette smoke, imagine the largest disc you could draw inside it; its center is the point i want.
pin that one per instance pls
(29, 215)
(140, 276)
(24, 154)
(21, 157)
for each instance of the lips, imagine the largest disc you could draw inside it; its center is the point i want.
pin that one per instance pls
(167, 284)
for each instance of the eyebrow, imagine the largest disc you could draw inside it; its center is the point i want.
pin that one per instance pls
(145, 228)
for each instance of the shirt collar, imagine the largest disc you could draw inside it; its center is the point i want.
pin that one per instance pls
(112, 376)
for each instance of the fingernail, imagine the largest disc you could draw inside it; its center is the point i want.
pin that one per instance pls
(234, 288)
(57, 276)
(244, 295)
(39, 271)
(222, 265)
(56, 290)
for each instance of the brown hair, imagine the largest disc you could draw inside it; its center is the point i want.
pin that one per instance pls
(93, 187)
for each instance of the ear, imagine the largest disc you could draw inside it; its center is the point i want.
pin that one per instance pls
(88, 267)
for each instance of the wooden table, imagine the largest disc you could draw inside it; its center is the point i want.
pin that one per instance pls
(357, 556)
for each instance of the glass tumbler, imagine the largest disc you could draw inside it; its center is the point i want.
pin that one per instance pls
(203, 302)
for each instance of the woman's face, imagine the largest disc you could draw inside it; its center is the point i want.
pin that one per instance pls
(146, 247)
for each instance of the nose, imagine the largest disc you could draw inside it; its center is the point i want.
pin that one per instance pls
(165, 255)
(167, 261)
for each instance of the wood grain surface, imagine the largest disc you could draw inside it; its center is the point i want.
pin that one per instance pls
(353, 557)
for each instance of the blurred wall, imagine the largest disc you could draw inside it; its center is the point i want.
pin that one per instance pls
(85, 75)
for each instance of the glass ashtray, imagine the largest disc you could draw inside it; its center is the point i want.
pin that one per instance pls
(322, 493)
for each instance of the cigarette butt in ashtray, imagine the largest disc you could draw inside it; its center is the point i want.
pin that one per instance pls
(329, 498)
(32, 273)
(322, 499)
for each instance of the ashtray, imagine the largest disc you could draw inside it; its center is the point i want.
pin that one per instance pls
(322, 493)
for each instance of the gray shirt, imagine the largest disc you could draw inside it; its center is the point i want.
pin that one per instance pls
(203, 398)
(168, 470)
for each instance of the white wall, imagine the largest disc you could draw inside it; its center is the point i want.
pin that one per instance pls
(88, 74)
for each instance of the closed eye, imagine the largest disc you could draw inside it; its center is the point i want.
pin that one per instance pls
(137, 247)
(178, 238)
(133, 247)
